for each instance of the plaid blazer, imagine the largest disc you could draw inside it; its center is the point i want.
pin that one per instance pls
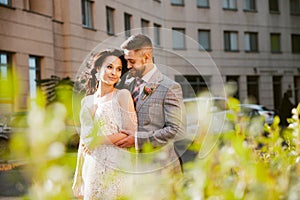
(161, 119)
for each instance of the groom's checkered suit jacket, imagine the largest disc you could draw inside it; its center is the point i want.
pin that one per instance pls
(161, 118)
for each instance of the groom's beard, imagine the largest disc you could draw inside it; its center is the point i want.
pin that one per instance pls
(137, 73)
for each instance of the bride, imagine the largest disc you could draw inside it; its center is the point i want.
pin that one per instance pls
(105, 110)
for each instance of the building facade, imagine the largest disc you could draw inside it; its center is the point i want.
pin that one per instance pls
(201, 43)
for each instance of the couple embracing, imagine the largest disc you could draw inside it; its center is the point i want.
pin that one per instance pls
(146, 110)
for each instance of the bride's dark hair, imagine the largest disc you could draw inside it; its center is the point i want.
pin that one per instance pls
(89, 77)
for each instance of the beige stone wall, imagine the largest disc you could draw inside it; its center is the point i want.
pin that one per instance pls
(53, 30)
(24, 33)
(241, 63)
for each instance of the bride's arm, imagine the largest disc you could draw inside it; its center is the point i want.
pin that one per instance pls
(128, 113)
(128, 117)
(111, 139)
(88, 128)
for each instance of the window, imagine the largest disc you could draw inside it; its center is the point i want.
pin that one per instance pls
(37, 7)
(157, 28)
(110, 21)
(203, 3)
(192, 84)
(87, 13)
(273, 6)
(249, 5)
(178, 38)
(204, 40)
(6, 82)
(5, 65)
(34, 74)
(5, 2)
(295, 7)
(276, 90)
(145, 26)
(177, 2)
(252, 88)
(275, 42)
(127, 24)
(229, 4)
(295, 43)
(230, 41)
(251, 42)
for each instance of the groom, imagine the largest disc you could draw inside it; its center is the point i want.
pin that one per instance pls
(158, 102)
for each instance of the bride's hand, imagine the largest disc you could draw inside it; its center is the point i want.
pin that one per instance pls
(126, 142)
(126, 132)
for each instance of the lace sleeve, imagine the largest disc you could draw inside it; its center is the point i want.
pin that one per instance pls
(127, 111)
(129, 121)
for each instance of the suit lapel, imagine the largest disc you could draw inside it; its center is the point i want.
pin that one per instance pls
(154, 82)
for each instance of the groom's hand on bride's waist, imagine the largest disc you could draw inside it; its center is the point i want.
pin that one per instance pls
(127, 141)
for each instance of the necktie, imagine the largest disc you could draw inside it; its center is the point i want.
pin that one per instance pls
(136, 90)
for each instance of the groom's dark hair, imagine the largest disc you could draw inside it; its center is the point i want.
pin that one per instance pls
(137, 42)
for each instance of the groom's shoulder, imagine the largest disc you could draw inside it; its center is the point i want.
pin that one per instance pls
(168, 81)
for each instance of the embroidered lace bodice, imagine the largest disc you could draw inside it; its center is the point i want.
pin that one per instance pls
(104, 171)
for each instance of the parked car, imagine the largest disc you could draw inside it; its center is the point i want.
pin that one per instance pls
(213, 112)
(205, 116)
(208, 112)
(258, 110)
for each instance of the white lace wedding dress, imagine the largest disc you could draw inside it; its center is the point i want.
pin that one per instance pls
(105, 173)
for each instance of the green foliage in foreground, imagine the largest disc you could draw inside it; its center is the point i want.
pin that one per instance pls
(245, 163)
(43, 150)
